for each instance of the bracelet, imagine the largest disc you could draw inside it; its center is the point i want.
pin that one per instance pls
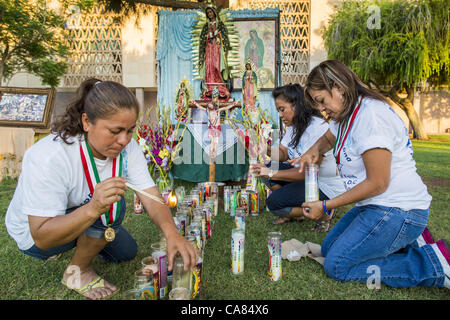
(324, 207)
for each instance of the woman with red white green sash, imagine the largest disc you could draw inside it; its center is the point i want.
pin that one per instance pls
(70, 193)
(383, 238)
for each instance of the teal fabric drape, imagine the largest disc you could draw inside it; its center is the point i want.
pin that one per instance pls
(173, 53)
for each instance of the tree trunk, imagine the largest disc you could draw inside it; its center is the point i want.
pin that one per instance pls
(1, 72)
(406, 104)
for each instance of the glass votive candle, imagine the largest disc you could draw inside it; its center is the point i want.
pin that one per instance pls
(181, 278)
(195, 197)
(150, 267)
(159, 252)
(132, 294)
(144, 283)
(180, 192)
(179, 294)
(239, 218)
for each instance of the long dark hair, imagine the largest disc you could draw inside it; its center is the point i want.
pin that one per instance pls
(332, 73)
(99, 100)
(293, 93)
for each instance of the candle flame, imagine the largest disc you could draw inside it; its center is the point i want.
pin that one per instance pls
(172, 199)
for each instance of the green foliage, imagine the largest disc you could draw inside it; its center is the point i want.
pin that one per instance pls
(33, 38)
(409, 45)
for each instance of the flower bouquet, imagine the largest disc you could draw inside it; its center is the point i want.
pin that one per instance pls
(160, 144)
(255, 133)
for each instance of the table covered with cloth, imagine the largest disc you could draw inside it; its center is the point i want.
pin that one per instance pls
(192, 163)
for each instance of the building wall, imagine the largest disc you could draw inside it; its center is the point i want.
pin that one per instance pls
(433, 108)
(320, 11)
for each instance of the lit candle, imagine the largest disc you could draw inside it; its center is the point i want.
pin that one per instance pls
(172, 199)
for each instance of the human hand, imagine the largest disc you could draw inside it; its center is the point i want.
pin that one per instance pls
(309, 157)
(313, 210)
(260, 170)
(106, 193)
(177, 243)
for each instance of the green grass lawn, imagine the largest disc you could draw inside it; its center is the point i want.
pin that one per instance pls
(23, 277)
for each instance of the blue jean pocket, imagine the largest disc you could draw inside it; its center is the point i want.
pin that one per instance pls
(409, 232)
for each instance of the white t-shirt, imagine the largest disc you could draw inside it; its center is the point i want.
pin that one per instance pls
(376, 125)
(52, 180)
(329, 181)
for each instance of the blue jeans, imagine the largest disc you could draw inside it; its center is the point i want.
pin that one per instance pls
(373, 237)
(123, 248)
(290, 195)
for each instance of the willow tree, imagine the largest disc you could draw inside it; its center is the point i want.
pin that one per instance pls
(393, 46)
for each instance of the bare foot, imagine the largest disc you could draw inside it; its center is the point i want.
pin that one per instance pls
(76, 279)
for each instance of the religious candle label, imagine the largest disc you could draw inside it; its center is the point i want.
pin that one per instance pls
(226, 199)
(162, 266)
(237, 251)
(197, 280)
(274, 248)
(138, 209)
(254, 203)
(311, 183)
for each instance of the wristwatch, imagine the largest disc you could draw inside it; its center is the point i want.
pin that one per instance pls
(270, 174)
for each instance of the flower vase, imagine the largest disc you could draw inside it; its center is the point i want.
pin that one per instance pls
(252, 180)
(164, 181)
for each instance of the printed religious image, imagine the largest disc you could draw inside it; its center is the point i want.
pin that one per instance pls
(22, 107)
(258, 43)
(26, 107)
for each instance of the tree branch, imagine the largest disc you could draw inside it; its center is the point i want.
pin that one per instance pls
(383, 92)
(5, 54)
(393, 95)
(410, 92)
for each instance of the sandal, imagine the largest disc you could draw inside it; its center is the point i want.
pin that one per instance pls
(281, 220)
(324, 225)
(98, 282)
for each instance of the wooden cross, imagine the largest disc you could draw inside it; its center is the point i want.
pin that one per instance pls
(204, 104)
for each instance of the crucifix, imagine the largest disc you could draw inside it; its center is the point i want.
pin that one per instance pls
(213, 109)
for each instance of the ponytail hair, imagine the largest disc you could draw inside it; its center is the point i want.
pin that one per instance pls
(99, 100)
(294, 94)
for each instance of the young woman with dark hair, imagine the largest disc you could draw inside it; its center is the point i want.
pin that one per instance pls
(304, 126)
(70, 193)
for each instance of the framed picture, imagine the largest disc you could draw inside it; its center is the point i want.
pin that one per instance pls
(26, 107)
(259, 42)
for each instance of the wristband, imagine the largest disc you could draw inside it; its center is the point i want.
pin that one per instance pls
(324, 207)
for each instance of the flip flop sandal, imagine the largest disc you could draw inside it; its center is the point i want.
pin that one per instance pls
(281, 220)
(298, 219)
(55, 257)
(98, 282)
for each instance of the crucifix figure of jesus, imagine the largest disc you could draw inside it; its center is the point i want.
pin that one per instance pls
(213, 109)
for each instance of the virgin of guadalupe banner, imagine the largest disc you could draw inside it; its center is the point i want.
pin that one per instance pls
(174, 54)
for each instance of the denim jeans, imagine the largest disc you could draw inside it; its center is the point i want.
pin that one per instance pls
(123, 248)
(290, 195)
(376, 238)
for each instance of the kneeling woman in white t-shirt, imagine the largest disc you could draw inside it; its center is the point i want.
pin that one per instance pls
(384, 237)
(304, 126)
(71, 189)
